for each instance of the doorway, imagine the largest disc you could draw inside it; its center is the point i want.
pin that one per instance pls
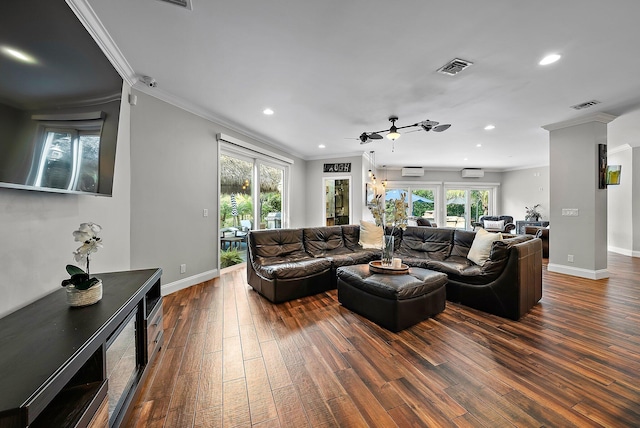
(337, 200)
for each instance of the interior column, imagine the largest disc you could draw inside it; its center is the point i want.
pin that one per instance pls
(578, 207)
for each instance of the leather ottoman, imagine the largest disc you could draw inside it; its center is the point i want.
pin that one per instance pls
(394, 302)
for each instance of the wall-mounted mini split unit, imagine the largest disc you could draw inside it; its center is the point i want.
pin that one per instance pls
(412, 172)
(472, 173)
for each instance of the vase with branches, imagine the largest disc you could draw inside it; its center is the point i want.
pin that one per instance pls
(398, 220)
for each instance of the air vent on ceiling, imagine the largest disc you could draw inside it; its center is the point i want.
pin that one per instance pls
(454, 67)
(585, 105)
(182, 3)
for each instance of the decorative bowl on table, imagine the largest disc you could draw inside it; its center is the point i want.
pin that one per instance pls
(377, 267)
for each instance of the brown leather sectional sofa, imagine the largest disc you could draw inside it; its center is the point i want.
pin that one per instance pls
(286, 264)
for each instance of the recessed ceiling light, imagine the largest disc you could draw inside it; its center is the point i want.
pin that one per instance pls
(268, 111)
(321, 146)
(17, 54)
(478, 145)
(489, 127)
(549, 59)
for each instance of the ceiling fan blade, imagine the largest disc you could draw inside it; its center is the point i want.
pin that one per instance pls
(375, 136)
(367, 141)
(441, 128)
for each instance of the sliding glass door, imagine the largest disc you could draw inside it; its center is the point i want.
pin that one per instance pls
(465, 206)
(270, 195)
(420, 199)
(236, 187)
(251, 193)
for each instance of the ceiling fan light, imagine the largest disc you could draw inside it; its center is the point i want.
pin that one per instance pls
(550, 59)
(393, 134)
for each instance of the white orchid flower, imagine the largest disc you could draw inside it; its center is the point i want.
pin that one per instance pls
(81, 236)
(92, 228)
(87, 233)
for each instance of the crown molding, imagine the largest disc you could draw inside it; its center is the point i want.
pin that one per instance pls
(329, 156)
(92, 23)
(205, 114)
(620, 148)
(521, 168)
(595, 117)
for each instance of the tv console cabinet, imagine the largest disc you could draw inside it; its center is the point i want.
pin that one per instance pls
(80, 367)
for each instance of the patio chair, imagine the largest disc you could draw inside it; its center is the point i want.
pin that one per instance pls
(230, 237)
(245, 225)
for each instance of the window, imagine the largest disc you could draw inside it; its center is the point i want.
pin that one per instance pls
(70, 156)
(253, 187)
(453, 205)
(465, 205)
(421, 199)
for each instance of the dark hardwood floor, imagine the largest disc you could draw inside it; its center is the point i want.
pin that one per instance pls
(233, 359)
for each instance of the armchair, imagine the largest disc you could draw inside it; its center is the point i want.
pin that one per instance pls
(543, 234)
(421, 221)
(503, 223)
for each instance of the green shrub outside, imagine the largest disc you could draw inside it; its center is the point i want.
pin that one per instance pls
(230, 257)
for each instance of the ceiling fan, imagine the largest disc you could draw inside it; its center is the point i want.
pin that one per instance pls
(393, 134)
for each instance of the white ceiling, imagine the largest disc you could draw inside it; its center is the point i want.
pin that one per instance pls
(333, 69)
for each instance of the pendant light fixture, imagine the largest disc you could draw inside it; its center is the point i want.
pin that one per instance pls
(384, 182)
(372, 166)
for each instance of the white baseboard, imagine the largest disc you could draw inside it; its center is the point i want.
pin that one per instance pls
(582, 273)
(624, 251)
(181, 284)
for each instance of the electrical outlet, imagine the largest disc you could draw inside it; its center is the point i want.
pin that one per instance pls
(570, 258)
(183, 268)
(205, 213)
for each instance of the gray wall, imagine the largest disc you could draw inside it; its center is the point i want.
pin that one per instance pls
(174, 177)
(37, 241)
(525, 188)
(573, 176)
(315, 189)
(635, 201)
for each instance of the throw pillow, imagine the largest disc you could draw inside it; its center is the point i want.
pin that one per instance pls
(494, 225)
(370, 235)
(481, 246)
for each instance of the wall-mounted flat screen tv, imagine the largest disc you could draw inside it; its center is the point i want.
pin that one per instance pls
(59, 102)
